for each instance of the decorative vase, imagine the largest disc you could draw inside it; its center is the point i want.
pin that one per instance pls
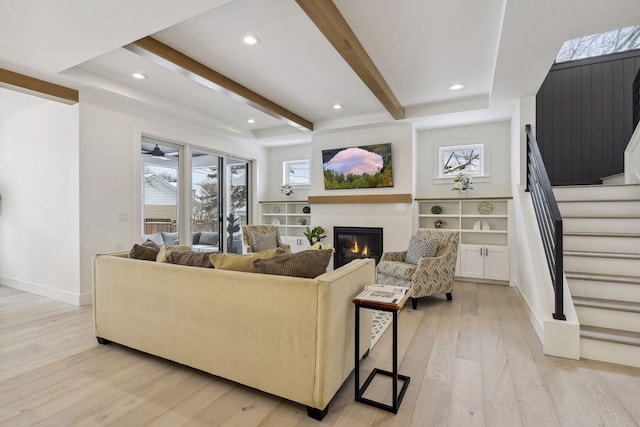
(306, 210)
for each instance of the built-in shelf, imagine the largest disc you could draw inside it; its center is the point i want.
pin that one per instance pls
(361, 198)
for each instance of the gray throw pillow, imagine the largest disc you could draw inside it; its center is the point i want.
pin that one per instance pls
(264, 241)
(208, 238)
(148, 251)
(420, 248)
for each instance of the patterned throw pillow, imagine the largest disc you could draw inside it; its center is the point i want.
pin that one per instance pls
(166, 249)
(244, 263)
(420, 248)
(308, 264)
(264, 241)
(148, 251)
(192, 259)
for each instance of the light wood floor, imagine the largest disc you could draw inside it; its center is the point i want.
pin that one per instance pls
(474, 361)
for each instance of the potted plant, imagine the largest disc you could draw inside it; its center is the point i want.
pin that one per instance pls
(314, 236)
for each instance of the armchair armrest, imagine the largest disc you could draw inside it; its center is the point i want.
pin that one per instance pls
(285, 246)
(394, 256)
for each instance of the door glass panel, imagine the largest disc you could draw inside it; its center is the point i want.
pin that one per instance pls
(236, 203)
(205, 191)
(160, 191)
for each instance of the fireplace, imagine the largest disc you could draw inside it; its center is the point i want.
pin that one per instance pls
(356, 242)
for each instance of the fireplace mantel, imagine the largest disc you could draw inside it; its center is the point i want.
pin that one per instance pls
(361, 198)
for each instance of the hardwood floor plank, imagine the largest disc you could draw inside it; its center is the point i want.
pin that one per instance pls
(472, 361)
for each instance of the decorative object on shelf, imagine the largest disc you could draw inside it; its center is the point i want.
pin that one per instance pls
(481, 225)
(286, 190)
(436, 209)
(319, 245)
(275, 221)
(301, 221)
(315, 235)
(276, 209)
(462, 182)
(439, 223)
(485, 208)
(306, 209)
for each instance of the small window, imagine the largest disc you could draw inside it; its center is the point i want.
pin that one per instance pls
(467, 159)
(295, 172)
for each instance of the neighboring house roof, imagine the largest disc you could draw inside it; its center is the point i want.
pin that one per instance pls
(158, 191)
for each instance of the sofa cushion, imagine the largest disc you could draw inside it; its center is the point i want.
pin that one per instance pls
(263, 241)
(166, 249)
(193, 259)
(308, 264)
(397, 269)
(209, 238)
(241, 262)
(170, 238)
(195, 238)
(420, 248)
(148, 251)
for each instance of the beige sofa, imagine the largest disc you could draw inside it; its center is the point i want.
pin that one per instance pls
(287, 336)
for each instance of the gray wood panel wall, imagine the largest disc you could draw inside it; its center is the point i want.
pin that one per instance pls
(584, 117)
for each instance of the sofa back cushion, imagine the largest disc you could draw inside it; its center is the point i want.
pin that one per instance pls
(193, 259)
(309, 264)
(241, 262)
(208, 238)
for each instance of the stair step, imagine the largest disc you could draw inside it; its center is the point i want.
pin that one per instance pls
(607, 304)
(597, 192)
(601, 209)
(602, 262)
(615, 278)
(611, 352)
(610, 335)
(601, 224)
(603, 242)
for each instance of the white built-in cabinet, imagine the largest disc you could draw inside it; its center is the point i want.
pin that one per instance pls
(290, 218)
(484, 233)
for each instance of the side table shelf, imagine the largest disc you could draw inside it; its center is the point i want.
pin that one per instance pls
(395, 376)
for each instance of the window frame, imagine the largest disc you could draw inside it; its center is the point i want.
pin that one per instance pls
(444, 150)
(286, 175)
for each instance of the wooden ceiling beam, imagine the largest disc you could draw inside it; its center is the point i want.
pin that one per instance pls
(177, 61)
(329, 20)
(37, 87)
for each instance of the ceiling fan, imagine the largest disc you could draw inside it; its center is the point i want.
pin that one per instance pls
(157, 153)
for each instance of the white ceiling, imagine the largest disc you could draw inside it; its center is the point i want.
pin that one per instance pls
(500, 49)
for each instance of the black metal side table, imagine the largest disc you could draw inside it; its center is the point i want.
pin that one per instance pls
(394, 308)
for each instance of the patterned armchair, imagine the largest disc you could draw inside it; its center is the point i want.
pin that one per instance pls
(431, 276)
(261, 237)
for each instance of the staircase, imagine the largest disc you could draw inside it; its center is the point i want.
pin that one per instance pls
(602, 264)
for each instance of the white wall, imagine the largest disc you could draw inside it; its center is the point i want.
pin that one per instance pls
(110, 171)
(496, 138)
(394, 218)
(39, 207)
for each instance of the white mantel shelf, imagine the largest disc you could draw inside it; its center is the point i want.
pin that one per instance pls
(361, 198)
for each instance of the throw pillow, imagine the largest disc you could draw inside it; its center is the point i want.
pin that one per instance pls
(308, 264)
(170, 238)
(241, 262)
(420, 248)
(148, 251)
(192, 259)
(209, 238)
(166, 249)
(264, 241)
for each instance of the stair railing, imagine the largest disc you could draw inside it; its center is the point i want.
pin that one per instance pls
(548, 216)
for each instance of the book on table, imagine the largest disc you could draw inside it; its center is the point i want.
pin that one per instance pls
(385, 294)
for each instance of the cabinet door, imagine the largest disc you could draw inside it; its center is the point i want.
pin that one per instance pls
(472, 261)
(496, 262)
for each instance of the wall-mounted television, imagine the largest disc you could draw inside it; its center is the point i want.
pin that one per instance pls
(366, 166)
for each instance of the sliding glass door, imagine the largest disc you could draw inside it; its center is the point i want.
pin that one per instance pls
(216, 197)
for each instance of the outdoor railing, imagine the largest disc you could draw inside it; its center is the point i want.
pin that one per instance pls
(548, 216)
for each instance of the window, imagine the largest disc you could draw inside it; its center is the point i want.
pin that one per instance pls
(468, 159)
(296, 172)
(600, 44)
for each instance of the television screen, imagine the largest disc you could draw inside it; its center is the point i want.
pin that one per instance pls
(367, 166)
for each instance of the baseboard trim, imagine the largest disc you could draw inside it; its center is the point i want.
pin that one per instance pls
(47, 291)
(536, 322)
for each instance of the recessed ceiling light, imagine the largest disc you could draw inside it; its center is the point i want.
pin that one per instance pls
(337, 106)
(139, 76)
(251, 121)
(251, 40)
(456, 86)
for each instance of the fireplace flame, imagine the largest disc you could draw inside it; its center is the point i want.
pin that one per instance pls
(355, 249)
(365, 250)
